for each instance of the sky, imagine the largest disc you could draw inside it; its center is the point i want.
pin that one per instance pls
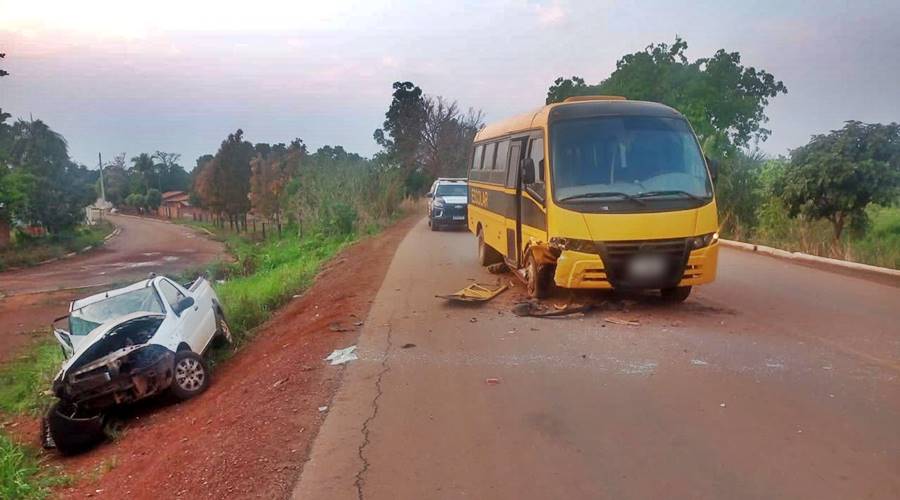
(178, 76)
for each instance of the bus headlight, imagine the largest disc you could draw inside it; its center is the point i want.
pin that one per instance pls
(438, 203)
(703, 241)
(575, 245)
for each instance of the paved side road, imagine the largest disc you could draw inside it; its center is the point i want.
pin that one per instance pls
(777, 381)
(143, 245)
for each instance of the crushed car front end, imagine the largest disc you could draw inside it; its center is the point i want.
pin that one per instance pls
(122, 376)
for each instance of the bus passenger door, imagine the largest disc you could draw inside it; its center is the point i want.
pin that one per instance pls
(514, 210)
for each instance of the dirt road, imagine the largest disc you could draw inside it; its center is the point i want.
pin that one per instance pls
(143, 245)
(30, 298)
(777, 381)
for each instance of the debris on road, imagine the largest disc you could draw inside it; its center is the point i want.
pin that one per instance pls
(407, 346)
(474, 293)
(498, 268)
(492, 381)
(341, 356)
(536, 309)
(336, 327)
(619, 321)
(323, 408)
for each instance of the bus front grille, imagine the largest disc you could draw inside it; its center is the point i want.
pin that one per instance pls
(618, 255)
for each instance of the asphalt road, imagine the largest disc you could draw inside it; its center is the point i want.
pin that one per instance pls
(777, 381)
(143, 245)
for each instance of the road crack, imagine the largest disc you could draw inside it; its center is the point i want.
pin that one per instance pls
(360, 476)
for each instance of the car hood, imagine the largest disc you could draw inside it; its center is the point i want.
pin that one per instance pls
(101, 332)
(454, 200)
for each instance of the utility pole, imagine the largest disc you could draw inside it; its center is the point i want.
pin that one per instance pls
(102, 187)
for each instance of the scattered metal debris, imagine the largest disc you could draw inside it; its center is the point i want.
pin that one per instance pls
(474, 293)
(341, 356)
(498, 268)
(536, 309)
(619, 321)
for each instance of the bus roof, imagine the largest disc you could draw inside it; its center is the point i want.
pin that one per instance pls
(574, 107)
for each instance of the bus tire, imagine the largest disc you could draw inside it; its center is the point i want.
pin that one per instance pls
(676, 294)
(486, 254)
(540, 277)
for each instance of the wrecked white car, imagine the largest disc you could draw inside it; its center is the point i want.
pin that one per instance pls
(125, 345)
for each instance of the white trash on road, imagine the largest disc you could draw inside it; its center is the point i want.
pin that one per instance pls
(341, 356)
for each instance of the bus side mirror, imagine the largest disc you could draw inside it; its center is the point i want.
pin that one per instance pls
(713, 167)
(527, 171)
(429, 194)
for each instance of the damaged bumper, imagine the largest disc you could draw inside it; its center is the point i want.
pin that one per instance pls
(123, 376)
(576, 269)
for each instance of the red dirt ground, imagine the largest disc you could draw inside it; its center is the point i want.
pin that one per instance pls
(249, 435)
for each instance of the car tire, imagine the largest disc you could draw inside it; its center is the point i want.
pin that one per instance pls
(70, 433)
(676, 294)
(486, 254)
(191, 375)
(539, 278)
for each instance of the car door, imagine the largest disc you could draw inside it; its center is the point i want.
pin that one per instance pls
(187, 322)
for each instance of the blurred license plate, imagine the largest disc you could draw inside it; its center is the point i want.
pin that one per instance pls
(459, 217)
(647, 267)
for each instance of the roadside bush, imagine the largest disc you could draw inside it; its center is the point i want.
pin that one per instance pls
(29, 250)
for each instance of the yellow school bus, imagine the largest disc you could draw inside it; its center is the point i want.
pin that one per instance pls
(596, 192)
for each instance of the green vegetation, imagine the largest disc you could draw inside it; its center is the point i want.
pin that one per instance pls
(20, 474)
(22, 386)
(26, 250)
(273, 271)
(23, 381)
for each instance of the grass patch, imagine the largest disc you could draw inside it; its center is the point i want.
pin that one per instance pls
(269, 273)
(21, 477)
(29, 251)
(24, 380)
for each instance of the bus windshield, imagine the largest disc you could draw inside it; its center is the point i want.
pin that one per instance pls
(627, 157)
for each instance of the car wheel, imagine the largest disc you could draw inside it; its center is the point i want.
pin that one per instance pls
(486, 254)
(70, 431)
(539, 276)
(191, 375)
(676, 294)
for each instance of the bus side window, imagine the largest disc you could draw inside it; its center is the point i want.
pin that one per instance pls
(536, 153)
(476, 157)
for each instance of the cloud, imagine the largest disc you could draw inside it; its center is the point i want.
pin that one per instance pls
(551, 14)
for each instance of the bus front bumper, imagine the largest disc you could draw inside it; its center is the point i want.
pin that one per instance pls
(585, 270)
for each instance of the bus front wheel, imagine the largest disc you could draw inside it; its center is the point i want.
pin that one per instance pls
(539, 278)
(486, 254)
(677, 294)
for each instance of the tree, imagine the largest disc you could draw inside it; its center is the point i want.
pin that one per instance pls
(836, 175)
(171, 176)
(153, 198)
(447, 136)
(2, 71)
(724, 101)
(60, 189)
(224, 183)
(116, 180)
(143, 165)
(270, 176)
(403, 125)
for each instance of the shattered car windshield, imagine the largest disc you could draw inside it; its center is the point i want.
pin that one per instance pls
(82, 321)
